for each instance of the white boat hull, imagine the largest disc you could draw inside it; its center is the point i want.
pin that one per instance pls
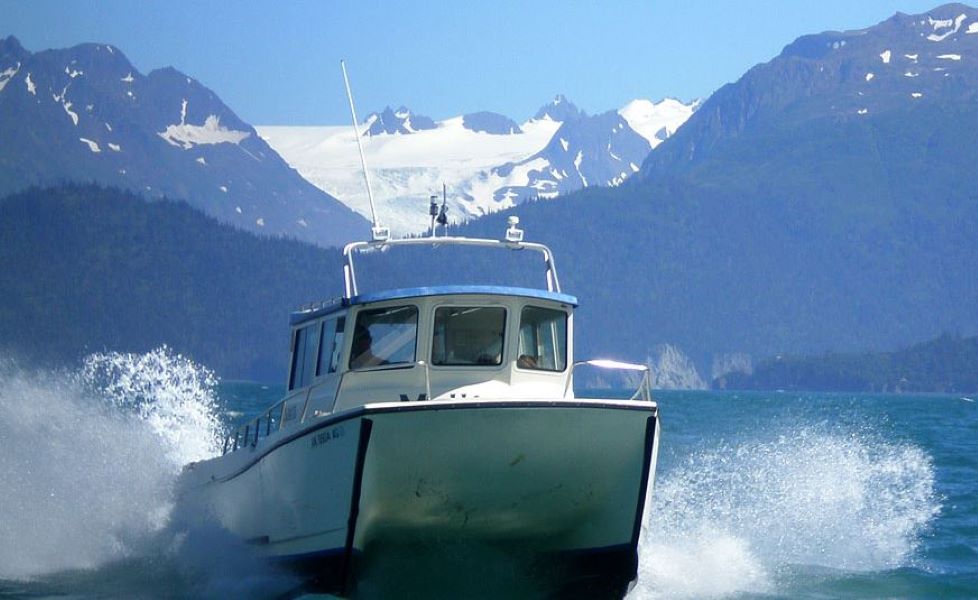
(541, 480)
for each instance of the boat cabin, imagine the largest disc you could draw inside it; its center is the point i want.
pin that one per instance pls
(450, 343)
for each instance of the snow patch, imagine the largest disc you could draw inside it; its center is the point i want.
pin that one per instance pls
(634, 167)
(912, 57)
(260, 222)
(237, 209)
(649, 118)
(917, 95)
(954, 26)
(950, 56)
(565, 144)
(302, 222)
(885, 55)
(107, 126)
(128, 78)
(201, 160)
(73, 72)
(115, 147)
(211, 132)
(862, 111)
(577, 165)
(911, 74)
(7, 75)
(61, 99)
(405, 169)
(224, 189)
(31, 88)
(91, 145)
(869, 76)
(973, 28)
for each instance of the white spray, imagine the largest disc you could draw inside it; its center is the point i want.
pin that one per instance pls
(88, 459)
(737, 518)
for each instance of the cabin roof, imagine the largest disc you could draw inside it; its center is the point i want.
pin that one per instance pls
(422, 292)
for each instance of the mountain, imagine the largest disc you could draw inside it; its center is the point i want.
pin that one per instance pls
(87, 269)
(802, 209)
(559, 109)
(487, 161)
(598, 150)
(909, 66)
(86, 114)
(401, 121)
(948, 364)
(490, 122)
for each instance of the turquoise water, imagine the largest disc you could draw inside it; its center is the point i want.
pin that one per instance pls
(758, 495)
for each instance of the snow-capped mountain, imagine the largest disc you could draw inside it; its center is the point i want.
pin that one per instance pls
(919, 65)
(86, 114)
(488, 161)
(400, 121)
(559, 109)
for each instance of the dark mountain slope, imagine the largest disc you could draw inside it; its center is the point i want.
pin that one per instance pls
(85, 269)
(86, 114)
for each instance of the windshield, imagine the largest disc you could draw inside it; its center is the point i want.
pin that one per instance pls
(543, 339)
(468, 335)
(385, 336)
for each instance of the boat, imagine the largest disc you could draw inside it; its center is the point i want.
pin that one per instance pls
(445, 416)
(430, 443)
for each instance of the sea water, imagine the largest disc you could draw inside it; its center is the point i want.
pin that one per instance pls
(757, 495)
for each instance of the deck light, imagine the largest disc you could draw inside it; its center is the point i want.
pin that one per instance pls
(513, 234)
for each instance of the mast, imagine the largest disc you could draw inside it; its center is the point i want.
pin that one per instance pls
(379, 233)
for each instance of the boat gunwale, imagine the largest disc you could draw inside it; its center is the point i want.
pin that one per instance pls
(432, 405)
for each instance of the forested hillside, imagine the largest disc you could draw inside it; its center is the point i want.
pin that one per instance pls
(85, 268)
(948, 364)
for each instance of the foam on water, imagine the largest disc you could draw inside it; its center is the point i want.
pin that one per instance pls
(88, 459)
(738, 517)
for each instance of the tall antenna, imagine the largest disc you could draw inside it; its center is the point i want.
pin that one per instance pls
(379, 233)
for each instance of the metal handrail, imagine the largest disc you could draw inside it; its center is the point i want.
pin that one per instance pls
(251, 432)
(349, 271)
(644, 387)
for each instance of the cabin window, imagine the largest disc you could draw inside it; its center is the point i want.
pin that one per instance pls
(305, 348)
(468, 336)
(385, 336)
(331, 345)
(543, 339)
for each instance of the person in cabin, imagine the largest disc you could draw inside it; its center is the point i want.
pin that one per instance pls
(361, 353)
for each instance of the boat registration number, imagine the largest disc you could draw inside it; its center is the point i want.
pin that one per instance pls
(324, 437)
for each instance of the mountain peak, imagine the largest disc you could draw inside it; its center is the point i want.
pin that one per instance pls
(163, 135)
(10, 48)
(559, 109)
(491, 123)
(10, 44)
(401, 121)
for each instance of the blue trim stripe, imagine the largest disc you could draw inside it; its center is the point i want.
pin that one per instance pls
(422, 292)
(457, 290)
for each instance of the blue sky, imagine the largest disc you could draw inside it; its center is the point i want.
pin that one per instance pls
(278, 62)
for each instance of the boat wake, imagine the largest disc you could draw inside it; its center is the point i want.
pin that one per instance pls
(88, 461)
(743, 518)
